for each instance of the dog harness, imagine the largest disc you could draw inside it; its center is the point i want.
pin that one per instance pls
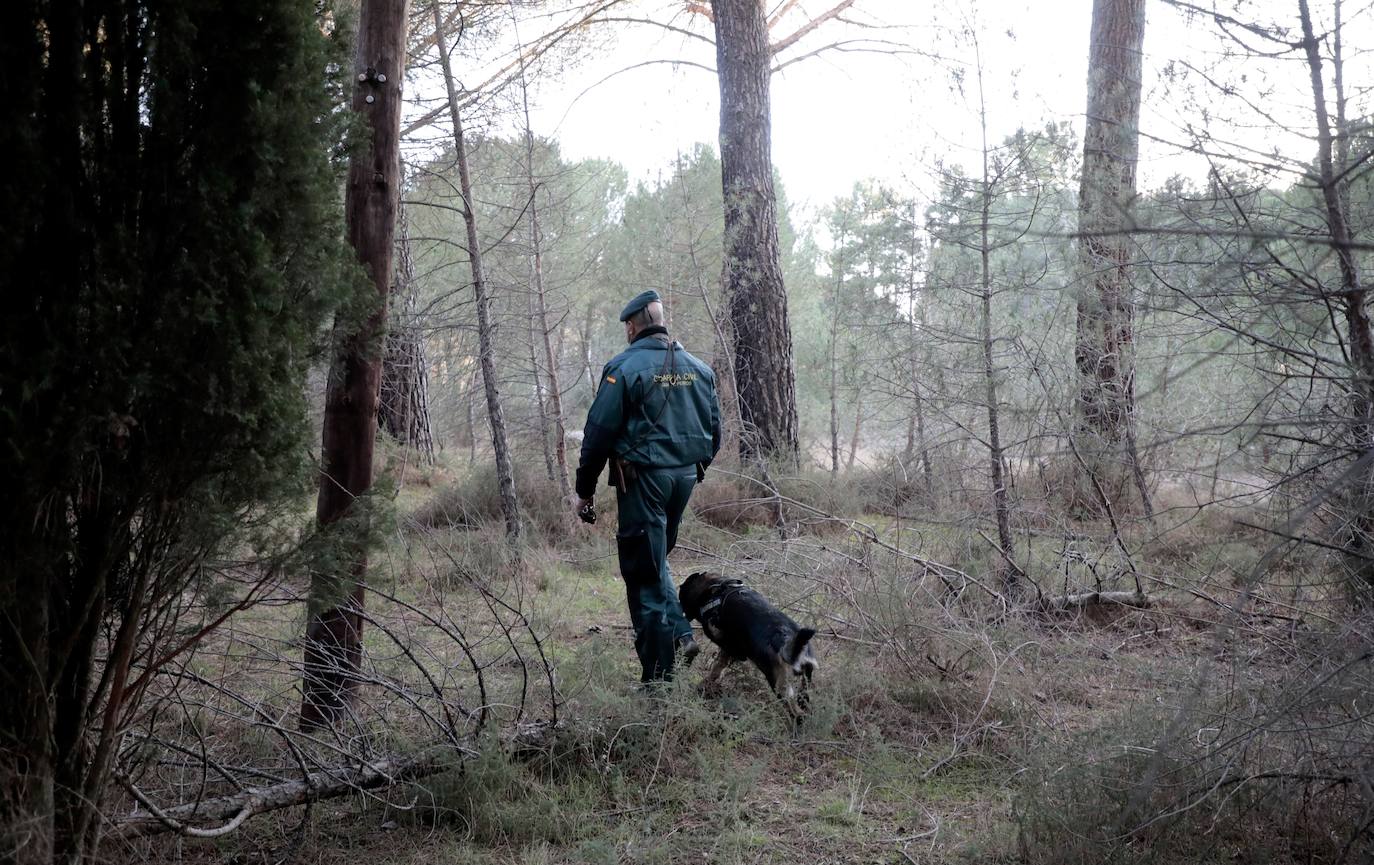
(719, 593)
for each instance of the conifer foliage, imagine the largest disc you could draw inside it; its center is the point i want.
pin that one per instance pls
(168, 255)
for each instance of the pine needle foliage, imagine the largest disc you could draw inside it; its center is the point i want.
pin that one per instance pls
(170, 252)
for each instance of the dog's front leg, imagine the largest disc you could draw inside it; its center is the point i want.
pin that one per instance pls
(711, 684)
(785, 686)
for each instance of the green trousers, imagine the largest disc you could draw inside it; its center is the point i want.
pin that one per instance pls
(650, 511)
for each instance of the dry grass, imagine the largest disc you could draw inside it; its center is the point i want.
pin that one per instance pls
(944, 729)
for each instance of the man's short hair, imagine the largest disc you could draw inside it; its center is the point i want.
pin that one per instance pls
(650, 315)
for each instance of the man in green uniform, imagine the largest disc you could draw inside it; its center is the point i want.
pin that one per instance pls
(656, 418)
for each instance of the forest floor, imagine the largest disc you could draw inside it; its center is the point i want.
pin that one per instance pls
(936, 715)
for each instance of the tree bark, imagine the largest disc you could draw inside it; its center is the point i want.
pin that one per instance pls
(333, 637)
(233, 810)
(834, 357)
(764, 373)
(1009, 571)
(553, 413)
(470, 406)
(486, 350)
(854, 439)
(403, 408)
(1104, 352)
(1359, 330)
(927, 471)
(916, 435)
(536, 378)
(913, 367)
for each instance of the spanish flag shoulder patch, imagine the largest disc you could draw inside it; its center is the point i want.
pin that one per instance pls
(611, 379)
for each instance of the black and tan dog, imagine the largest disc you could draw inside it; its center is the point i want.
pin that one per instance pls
(746, 627)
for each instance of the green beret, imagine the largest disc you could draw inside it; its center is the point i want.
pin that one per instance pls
(641, 300)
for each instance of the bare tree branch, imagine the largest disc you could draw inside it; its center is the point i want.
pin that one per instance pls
(806, 29)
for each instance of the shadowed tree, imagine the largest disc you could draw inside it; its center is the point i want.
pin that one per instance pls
(333, 635)
(1333, 165)
(170, 248)
(403, 409)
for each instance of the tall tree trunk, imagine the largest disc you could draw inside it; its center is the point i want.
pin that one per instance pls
(486, 343)
(1359, 330)
(470, 403)
(927, 472)
(1010, 572)
(588, 370)
(764, 372)
(333, 636)
(854, 439)
(834, 358)
(1342, 131)
(537, 380)
(554, 413)
(36, 591)
(1104, 354)
(403, 408)
(36, 595)
(918, 419)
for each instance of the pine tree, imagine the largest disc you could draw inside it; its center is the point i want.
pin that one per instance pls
(169, 250)
(1105, 351)
(753, 270)
(333, 633)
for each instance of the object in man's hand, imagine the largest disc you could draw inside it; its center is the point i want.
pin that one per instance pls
(587, 513)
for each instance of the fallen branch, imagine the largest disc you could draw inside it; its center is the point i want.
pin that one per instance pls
(230, 812)
(1091, 599)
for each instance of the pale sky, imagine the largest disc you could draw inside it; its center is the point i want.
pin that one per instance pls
(837, 117)
(842, 117)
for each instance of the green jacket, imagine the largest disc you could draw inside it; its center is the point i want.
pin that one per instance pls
(651, 409)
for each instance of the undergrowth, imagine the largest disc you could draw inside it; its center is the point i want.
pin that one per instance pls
(1223, 723)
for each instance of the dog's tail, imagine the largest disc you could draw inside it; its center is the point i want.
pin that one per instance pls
(799, 653)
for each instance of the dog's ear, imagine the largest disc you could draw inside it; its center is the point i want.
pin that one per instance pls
(799, 643)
